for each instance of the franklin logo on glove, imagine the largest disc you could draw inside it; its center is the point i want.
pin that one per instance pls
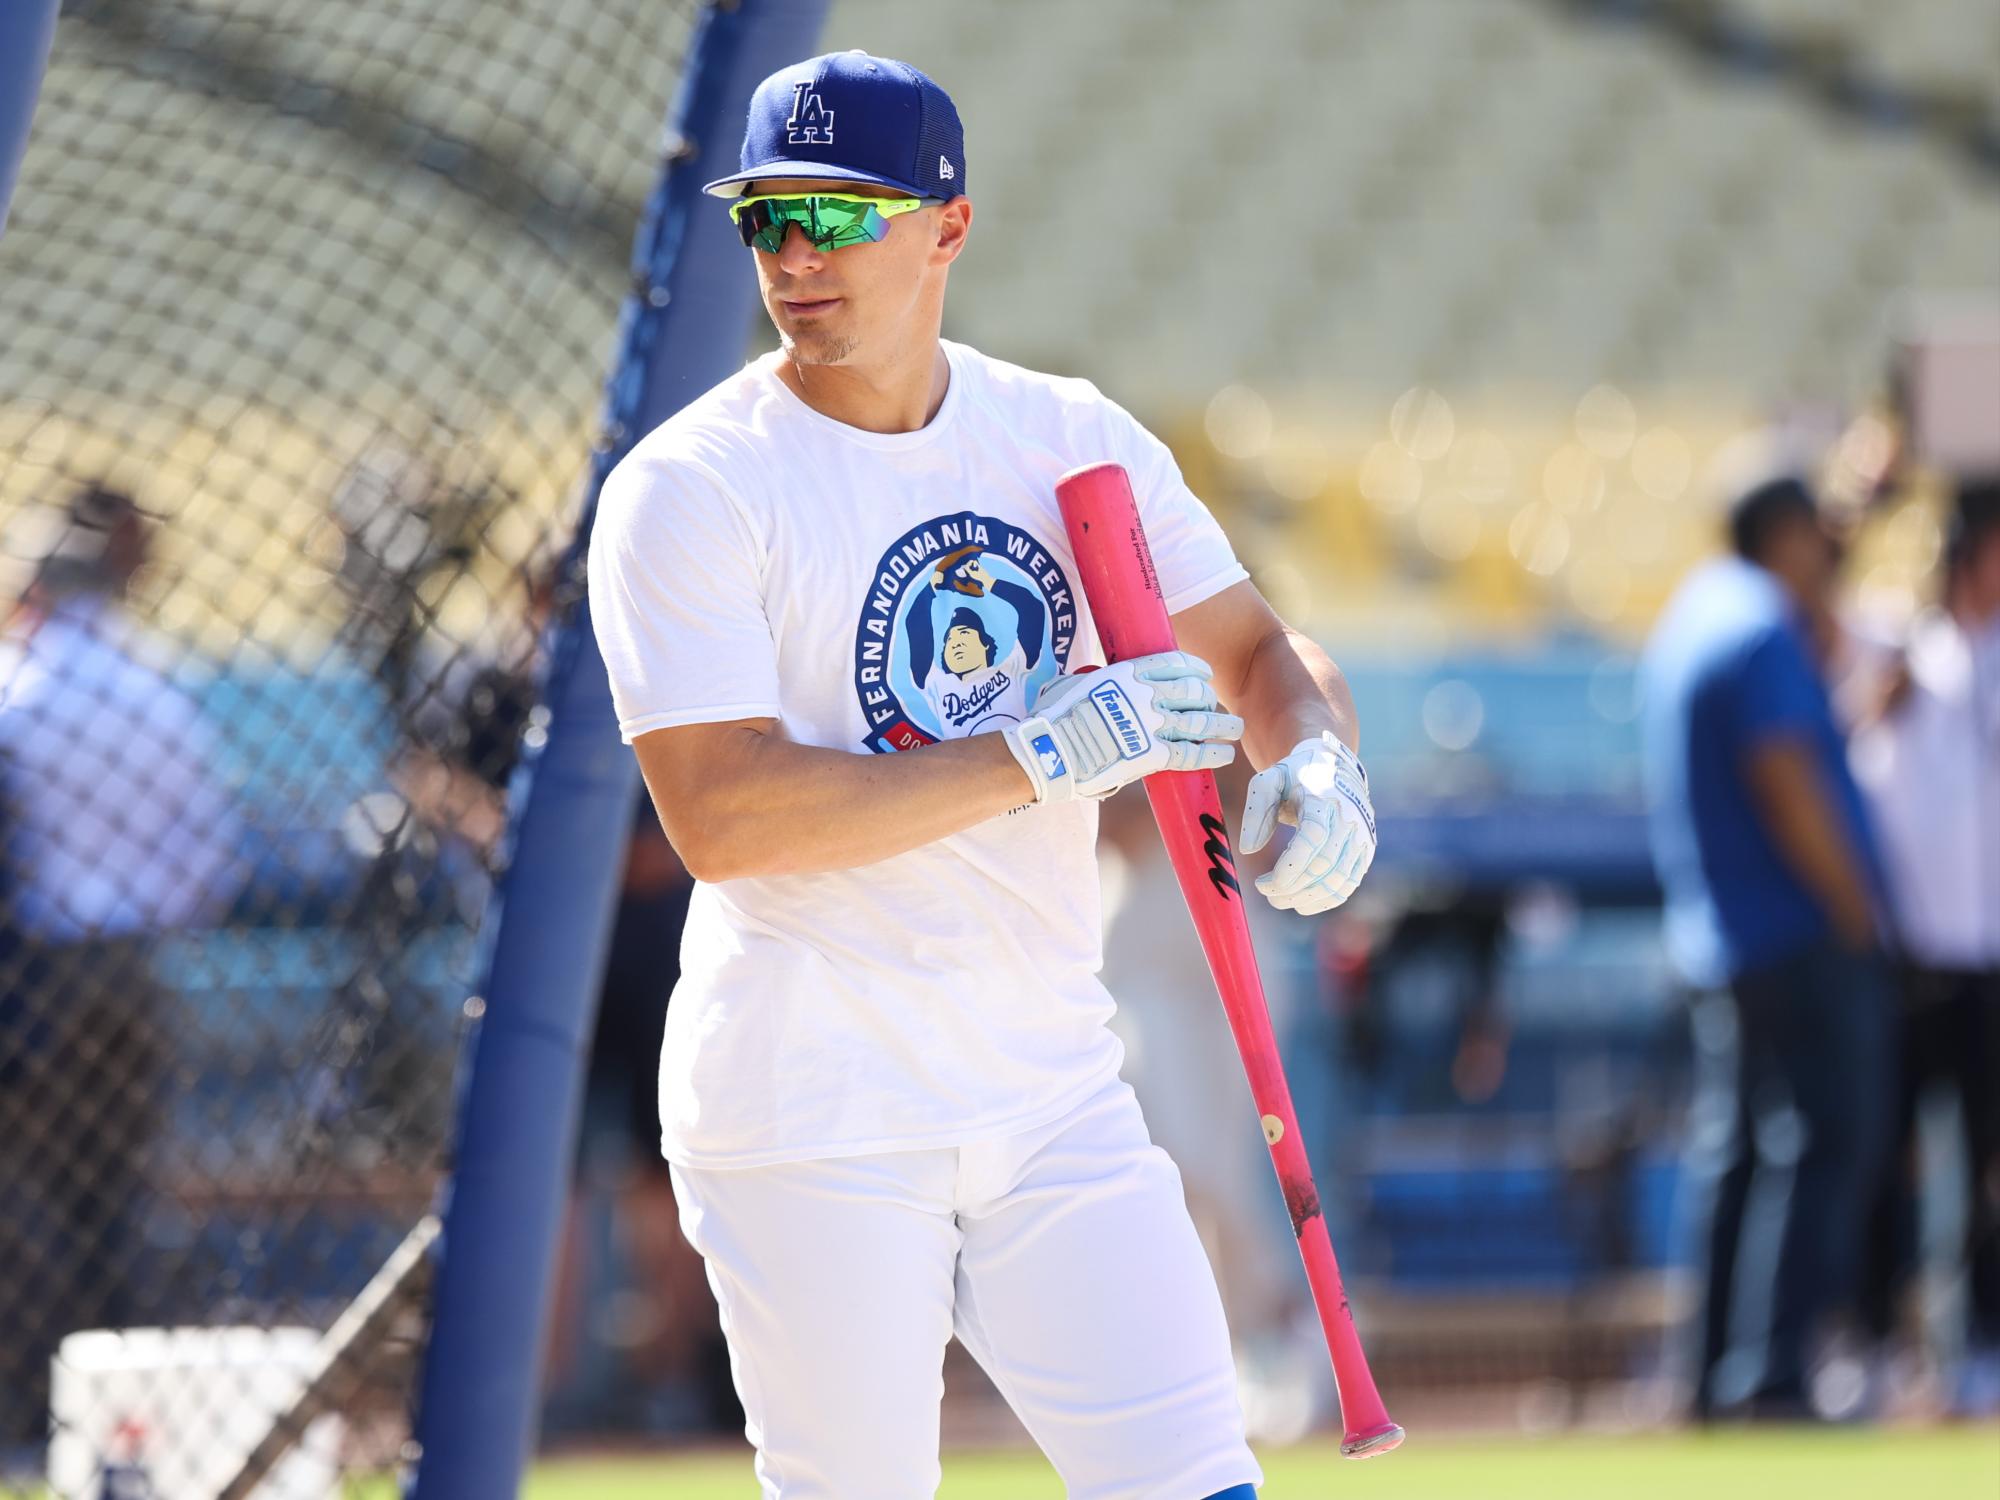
(1119, 712)
(1113, 726)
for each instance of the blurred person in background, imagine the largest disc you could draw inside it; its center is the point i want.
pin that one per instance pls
(118, 832)
(415, 721)
(638, 1343)
(1772, 900)
(1929, 765)
(1455, 932)
(459, 701)
(416, 717)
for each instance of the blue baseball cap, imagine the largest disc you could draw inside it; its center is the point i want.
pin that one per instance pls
(849, 117)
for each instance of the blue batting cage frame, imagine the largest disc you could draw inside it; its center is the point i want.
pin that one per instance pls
(684, 327)
(27, 31)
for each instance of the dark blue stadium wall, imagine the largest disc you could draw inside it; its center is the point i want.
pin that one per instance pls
(684, 328)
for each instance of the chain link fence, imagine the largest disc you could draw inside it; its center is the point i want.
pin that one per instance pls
(308, 310)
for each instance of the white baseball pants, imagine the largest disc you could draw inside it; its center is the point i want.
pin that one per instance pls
(1063, 1258)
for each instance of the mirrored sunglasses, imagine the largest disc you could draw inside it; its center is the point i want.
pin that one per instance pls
(831, 221)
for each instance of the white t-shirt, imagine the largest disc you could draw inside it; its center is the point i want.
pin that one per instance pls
(1931, 774)
(754, 559)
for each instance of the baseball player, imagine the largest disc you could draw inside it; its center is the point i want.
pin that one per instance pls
(888, 1095)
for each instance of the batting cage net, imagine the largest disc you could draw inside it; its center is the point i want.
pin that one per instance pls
(308, 312)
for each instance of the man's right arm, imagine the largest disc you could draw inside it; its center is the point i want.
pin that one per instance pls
(1778, 706)
(1789, 792)
(677, 600)
(737, 799)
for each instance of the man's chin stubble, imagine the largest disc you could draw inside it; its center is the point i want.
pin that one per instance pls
(816, 348)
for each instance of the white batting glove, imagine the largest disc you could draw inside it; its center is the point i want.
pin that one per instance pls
(1094, 732)
(1320, 787)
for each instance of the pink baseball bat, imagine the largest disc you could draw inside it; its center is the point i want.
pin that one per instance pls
(1116, 567)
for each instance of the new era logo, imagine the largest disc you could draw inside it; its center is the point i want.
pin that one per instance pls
(944, 168)
(811, 123)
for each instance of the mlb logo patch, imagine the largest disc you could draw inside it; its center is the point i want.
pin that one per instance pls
(1050, 758)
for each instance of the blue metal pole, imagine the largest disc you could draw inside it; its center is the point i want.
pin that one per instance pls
(27, 29)
(684, 328)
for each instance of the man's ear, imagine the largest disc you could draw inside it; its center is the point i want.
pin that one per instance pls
(954, 224)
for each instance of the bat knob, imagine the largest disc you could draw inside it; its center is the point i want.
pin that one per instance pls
(1372, 1443)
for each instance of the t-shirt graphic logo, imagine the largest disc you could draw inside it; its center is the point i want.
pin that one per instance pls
(811, 123)
(965, 620)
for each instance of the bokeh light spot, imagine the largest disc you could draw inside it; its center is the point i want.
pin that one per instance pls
(1481, 467)
(1573, 480)
(1662, 463)
(1914, 537)
(1539, 539)
(1238, 422)
(1599, 587)
(1391, 480)
(1614, 690)
(1298, 466)
(1421, 423)
(1448, 525)
(1454, 714)
(1606, 421)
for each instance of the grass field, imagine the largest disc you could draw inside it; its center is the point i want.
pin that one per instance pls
(1946, 1464)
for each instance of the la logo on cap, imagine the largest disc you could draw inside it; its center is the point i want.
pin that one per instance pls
(811, 123)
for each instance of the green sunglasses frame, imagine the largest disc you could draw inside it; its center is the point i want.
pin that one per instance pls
(842, 229)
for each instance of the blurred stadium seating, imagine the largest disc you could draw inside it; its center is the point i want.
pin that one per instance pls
(1486, 285)
(1934, 48)
(1339, 199)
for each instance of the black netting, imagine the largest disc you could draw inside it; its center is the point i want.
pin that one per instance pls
(307, 312)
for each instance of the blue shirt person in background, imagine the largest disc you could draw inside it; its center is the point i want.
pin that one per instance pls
(115, 832)
(1772, 892)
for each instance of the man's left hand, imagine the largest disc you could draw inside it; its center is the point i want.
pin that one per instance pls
(1322, 789)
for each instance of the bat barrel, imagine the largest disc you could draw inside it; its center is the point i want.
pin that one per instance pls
(1113, 561)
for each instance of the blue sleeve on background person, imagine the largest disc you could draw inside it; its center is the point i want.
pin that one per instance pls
(1729, 668)
(1774, 691)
